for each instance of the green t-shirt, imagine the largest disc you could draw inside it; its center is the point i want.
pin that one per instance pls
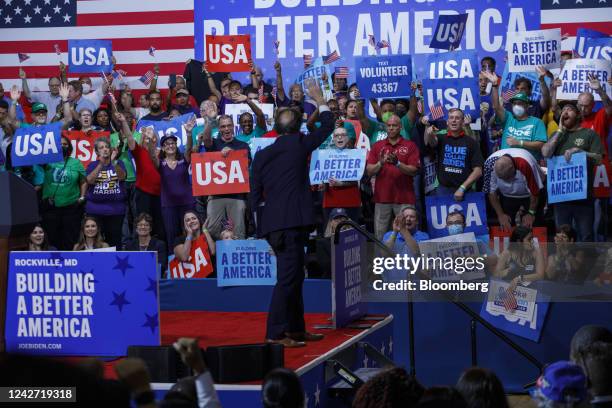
(125, 155)
(199, 129)
(63, 181)
(377, 131)
(257, 132)
(531, 129)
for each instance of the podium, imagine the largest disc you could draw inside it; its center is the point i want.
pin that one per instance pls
(18, 216)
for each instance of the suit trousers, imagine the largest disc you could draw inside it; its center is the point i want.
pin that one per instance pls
(286, 313)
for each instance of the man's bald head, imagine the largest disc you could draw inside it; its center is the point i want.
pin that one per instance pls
(504, 168)
(586, 102)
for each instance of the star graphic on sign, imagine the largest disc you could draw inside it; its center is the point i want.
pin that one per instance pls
(123, 264)
(8, 2)
(7, 20)
(152, 286)
(151, 322)
(47, 18)
(57, 9)
(390, 345)
(66, 18)
(365, 360)
(555, 2)
(27, 2)
(317, 396)
(17, 10)
(66, 1)
(48, 2)
(119, 300)
(37, 10)
(27, 19)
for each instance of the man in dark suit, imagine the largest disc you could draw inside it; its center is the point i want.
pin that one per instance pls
(281, 185)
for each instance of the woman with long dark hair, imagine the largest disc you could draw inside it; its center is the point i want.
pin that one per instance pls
(102, 119)
(90, 236)
(38, 240)
(282, 389)
(522, 261)
(144, 241)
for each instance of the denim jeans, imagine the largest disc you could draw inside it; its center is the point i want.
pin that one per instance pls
(579, 214)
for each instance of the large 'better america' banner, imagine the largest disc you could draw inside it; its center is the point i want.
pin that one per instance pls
(319, 27)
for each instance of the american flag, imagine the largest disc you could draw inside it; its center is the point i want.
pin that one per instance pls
(276, 45)
(307, 60)
(333, 57)
(274, 91)
(260, 94)
(22, 57)
(34, 27)
(382, 44)
(508, 94)
(342, 72)
(152, 51)
(147, 78)
(436, 110)
(119, 74)
(574, 14)
(372, 40)
(420, 107)
(508, 299)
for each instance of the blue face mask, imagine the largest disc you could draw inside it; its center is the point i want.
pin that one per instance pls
(455, 229)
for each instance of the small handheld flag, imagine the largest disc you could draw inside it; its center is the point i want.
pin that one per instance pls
(147, 78)
(57, 49)
(333, 57)
(508, 94)
(23, 57)
(436, 110)
(341, 72)
(152, 51)
(382, 44)
(509, 299)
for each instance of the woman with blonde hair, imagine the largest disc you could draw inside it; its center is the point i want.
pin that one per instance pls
(90, 236)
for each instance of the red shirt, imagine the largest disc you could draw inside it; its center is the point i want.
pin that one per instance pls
(599, 122)
(273, 133)
(147, 176)
(392, 186)
(342, 197)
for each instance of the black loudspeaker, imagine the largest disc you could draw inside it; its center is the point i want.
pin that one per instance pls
(164, 363)
(245, 362)
(18, 206)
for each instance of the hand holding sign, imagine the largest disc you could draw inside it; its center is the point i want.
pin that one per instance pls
(568, 153)
(594, 82)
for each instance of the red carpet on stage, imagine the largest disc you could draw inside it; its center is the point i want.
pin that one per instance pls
(231, 328)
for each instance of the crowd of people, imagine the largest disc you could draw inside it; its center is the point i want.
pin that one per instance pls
(137, 193)
(583, 380)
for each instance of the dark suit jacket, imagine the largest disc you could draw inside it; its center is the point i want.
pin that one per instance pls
(280, 179)
(154, 245)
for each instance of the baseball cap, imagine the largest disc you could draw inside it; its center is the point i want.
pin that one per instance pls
(168, 135)
(39, 107)
(338, 212)
(520, 97)
(182, 91)
(561, 380)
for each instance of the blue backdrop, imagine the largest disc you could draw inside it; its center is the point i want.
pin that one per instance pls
(319, 30)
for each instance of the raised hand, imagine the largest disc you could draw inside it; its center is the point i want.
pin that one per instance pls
(15, 93)
(490, 76)
(557, 83)
(314, 91)
(156, 68)
(541, 71)
(594, 83)
(239, 98)
(64, 91)
(22, 74)
(190, 353)
(114, 154)
(190, 124)
(467, 119)
(277, 66)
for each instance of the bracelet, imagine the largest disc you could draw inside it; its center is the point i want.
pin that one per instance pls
(397, 164)
(394, 234)
(188, 238)
(532, 212)
(462, 188)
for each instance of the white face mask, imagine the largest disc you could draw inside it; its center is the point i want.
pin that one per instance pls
(353, 95)
(86, 88)
(518, 110)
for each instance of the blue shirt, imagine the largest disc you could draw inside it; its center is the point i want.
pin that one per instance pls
(400, 246)
(18, 110)
(83, 103)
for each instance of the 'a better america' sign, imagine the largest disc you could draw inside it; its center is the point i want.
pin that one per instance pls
(567, 181)
(575, 78)
(530, 49)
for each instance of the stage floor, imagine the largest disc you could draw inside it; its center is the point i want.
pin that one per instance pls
(232, 328)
